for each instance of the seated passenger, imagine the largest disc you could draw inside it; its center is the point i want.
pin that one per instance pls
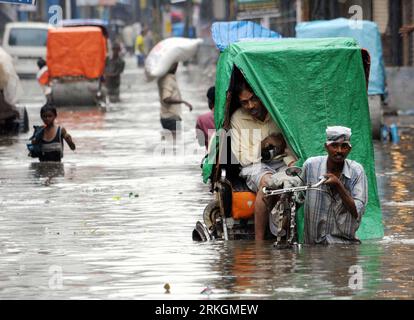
(258, 145)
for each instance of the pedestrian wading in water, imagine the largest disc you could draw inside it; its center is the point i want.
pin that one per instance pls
(48, 140)
(114, 67)
(170, 98)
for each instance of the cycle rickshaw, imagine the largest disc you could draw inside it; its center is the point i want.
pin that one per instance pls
(306, 85)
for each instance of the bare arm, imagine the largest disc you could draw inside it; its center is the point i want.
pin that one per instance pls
(68, 139)
(171, 100)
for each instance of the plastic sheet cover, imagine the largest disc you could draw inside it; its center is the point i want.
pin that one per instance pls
(226, 33)
(76, 51)
(366, 34)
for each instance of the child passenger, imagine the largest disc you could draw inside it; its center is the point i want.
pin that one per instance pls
(52, 137)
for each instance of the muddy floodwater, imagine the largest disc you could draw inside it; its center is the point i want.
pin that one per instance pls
(114, 220)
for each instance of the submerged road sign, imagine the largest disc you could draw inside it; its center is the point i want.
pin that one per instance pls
(32, 2)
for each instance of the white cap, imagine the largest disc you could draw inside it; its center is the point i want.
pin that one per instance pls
(334, 134)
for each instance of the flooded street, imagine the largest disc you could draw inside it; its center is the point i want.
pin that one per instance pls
(114, 220)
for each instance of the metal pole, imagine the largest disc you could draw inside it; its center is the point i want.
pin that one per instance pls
(188, 17)
(157, 21)
(395, 25)
(299, 12)
(231, 10)
(406, 49)
(68, 9)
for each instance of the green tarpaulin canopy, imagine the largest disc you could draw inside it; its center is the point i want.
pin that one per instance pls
(307, 85)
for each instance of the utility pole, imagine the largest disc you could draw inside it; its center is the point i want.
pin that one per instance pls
(156, 26)
(302, 10)
(188, 17)
(395, 25)
(231, 10)
(68, 6)
(299, 11)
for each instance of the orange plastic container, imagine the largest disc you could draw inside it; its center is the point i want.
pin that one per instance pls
(243, 205)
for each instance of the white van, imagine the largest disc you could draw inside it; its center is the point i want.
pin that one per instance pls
(26, 42)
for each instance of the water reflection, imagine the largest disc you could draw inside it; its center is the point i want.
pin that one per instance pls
(47, 170)
(398, 183)
(6, 141)
(395, 169)
(82, 117)
(251, 270)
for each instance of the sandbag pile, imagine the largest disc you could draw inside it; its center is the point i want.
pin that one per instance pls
(166, 53)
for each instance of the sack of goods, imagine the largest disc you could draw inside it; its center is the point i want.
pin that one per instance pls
(166, 53)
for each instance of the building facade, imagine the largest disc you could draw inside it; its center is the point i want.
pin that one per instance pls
(395, 19)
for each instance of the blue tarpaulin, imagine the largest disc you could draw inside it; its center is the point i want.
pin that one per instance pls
(367, 35)
(226, 33)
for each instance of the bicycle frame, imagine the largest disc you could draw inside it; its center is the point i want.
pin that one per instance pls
(286, 207)
(268, 192)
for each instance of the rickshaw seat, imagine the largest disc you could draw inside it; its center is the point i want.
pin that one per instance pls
(239, 199)
(239, 185)
(243, 200)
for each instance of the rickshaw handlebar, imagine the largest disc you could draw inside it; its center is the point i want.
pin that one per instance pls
(271, 192)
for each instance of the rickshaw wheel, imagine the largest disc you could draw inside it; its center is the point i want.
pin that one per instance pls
(200, 233)
(211, 213)
(25, 121)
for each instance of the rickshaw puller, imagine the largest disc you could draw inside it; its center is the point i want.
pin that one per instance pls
(334, 217)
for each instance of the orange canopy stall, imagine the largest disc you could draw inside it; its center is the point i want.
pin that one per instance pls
(76, 51)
